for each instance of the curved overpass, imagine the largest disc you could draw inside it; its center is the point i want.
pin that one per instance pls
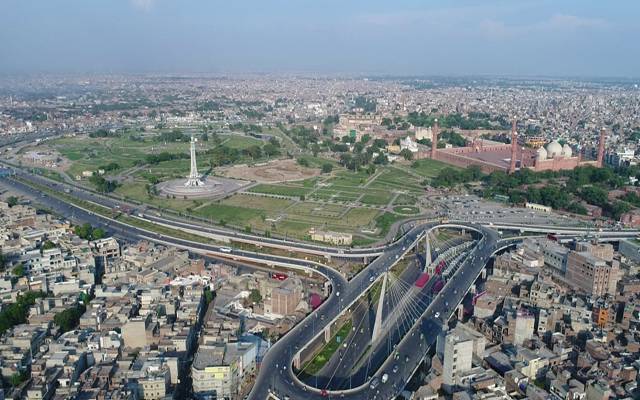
(276, 374)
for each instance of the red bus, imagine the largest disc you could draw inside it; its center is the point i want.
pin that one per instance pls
(440, 266)
(437, 287)
(279, 276)
(422, 280)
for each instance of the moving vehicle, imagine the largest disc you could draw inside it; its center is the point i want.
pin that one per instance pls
(374, 383)
(279, 276)
(422, 280)
(225, 249)
(385, 378)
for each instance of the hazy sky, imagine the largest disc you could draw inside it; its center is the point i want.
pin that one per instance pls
(423, 37)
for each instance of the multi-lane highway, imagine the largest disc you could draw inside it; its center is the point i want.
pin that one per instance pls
(276, 374)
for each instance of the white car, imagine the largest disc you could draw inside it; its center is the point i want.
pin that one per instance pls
(437, 315)
(225, 249)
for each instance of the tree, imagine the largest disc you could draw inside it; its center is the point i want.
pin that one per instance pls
(255, 296)
(303, 162)
(88, 232)
(16, 313)
(84, 231)
(618, 208)
(577, 208)
(208, 296)
(315, 149)
(18, 271)
(270, 150)
(12, 201)
(594, 195)
(98, 233)
(18, 378)
(48, 245)
(371, 169)
(69, 318)
(407, 154)
(327, 168)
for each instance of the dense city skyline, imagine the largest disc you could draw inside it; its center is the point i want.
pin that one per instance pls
(574, 38)
(286, 199)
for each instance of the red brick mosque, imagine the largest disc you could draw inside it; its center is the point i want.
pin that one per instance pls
(492, 156)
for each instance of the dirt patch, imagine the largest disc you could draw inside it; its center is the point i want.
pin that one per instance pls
(43, 157)
(271, 172)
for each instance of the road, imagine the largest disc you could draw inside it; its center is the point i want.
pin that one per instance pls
(276, 374)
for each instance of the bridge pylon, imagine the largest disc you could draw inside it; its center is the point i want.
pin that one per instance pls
(377, 325)
(427, 252)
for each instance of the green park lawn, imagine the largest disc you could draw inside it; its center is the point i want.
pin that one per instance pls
(429, 168)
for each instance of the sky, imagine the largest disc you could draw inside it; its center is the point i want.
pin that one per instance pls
(581, 38)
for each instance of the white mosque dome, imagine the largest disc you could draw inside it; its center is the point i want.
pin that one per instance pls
(566, 150)
(554, 149)
(541, 154)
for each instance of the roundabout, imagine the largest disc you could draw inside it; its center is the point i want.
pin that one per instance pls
(196, 186)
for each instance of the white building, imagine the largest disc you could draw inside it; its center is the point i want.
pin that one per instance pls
(409, 144)
(458, 354)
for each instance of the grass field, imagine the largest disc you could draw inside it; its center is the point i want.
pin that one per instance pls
(406, 210)
(240, 142)
(281, 190)
(225, 213)
(429, 168)
(377, 198)
(342, 201)
(138, 191)
(257, 202)
(88, 153)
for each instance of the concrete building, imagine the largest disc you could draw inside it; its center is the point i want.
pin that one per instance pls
(521, 327)
(283, 299)
(597, 390)
(458, 355)
(555, 255)
(591, 274)
(335, 238)
(538, 207)
(218, 369)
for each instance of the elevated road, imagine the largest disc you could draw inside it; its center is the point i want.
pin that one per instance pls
(276, 375)
(222, 234)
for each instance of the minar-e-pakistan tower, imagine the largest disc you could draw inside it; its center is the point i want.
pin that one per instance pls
(194, 178)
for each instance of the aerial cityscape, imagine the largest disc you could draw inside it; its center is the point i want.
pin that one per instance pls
(276, 201)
